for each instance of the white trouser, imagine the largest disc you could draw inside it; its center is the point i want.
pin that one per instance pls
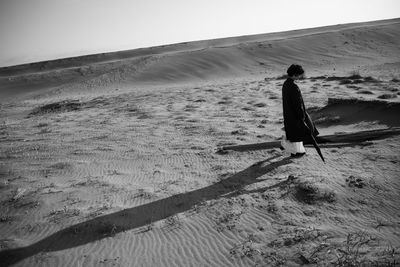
(292, 147)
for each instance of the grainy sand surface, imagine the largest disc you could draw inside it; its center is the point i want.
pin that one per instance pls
(110, 159)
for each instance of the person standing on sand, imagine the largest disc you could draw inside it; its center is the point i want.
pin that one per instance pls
(297, 122)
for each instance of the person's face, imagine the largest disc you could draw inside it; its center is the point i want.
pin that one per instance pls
(299, 77)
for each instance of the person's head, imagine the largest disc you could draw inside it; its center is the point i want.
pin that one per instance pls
(295, 72)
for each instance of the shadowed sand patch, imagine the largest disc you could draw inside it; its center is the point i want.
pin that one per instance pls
(351, 111)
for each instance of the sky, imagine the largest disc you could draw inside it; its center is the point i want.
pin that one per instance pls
(37, 30)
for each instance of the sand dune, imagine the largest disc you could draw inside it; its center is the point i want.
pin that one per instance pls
(334, 49)
(111, 159)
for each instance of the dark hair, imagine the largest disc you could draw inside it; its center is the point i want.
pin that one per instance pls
(295, 70)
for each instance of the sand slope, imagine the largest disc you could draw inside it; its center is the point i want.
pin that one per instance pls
(335, 49)
(110, 160)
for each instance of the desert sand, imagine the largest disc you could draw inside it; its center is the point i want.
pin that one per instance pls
(115, 159)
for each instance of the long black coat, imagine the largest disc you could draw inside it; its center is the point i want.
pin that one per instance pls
(294, 113)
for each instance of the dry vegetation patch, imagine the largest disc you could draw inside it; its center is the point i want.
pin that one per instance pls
(308, 193)
(387, 96)
(356, 251)
(355, 182)
(57, 107)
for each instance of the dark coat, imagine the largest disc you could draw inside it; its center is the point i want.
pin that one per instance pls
(294, 113)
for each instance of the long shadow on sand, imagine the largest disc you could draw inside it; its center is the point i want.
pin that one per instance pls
(132, 218)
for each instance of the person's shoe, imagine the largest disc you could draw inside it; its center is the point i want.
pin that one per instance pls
(297, 155)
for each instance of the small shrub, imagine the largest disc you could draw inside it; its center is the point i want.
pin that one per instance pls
(239, 132)
(355, 182)
(173, 222)
(387, 96)
(143, 194)
(370, 79)
(350, 253)
(300, 235)
(61, 165)
(272, 208)
(248, 109)
(5, 218)
(345, 81)
(310, 194)
(358, 81)
(365, 92)
(246, 248)
(113, 172)
(355, 76)
(273, 258)
(317, 78)
(42, 124)
(352, 86)
(44, 131)
(260, 105)
(333, 78)
(83, 71)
